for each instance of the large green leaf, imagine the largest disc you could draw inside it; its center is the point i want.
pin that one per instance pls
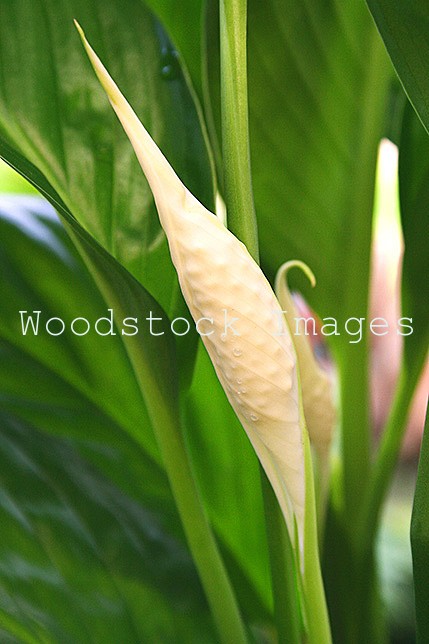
(54, 112)
(414, 197)
(414, 200)
(404, 27)
(316, 111)
(91, 544)
(57, 129)
(79, 560)
(36, 266)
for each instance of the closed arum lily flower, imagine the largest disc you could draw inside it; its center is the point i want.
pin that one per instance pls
(316, 384)
(255, 359)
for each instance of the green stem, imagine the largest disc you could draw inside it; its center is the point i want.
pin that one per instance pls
(387, 455)
(283, 569)
(316, 613)
(204, 550)
(235, 124)
(164, 415)
(355, 435)
(353, 358)
(242, 222)
(420, 539)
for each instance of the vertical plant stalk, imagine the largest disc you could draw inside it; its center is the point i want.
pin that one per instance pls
(351, 580)
(283, 570)
(388, 452)
(235, 124)
(420, 539)
(242, 222)
(164, 418)
(241, 219)
(205, 552)
(356, 432)
(317, 618)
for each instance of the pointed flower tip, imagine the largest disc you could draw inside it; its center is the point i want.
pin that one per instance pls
(165, 184)
(79, 28)
(82, 37)
(109, 86)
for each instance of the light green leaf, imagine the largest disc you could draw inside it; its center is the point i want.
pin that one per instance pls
(12, 182)
(316, 111)
(53, 111)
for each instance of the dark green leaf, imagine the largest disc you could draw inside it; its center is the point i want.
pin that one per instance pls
(414, 199)
(404, 28)
(79, 560)
(420, 540)
(91, 542)
(183, 22)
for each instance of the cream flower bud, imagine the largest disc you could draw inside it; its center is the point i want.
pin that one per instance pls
(218, 278)
(316, 384)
